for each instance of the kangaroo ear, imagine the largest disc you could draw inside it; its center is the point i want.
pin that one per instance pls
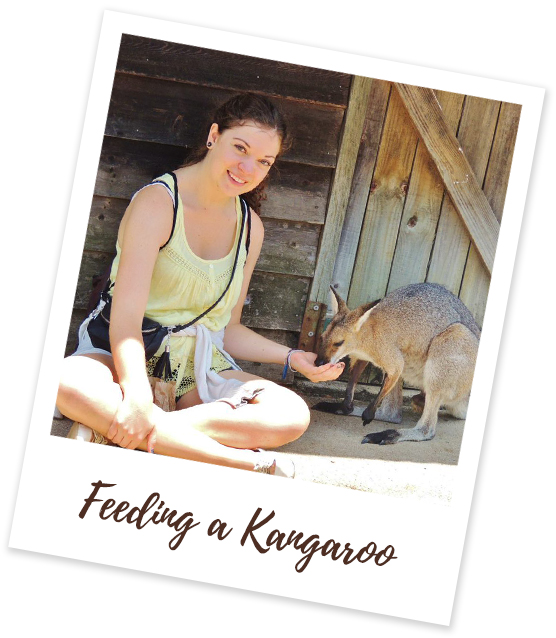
(362, 319)
(337, 303)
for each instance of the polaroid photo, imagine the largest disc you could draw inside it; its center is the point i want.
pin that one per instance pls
(391, 225)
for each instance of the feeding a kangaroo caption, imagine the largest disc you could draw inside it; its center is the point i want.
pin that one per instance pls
(154, 511)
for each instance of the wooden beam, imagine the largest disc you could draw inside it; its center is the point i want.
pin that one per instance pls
(458, 177)
(341, 186)
(361, 184)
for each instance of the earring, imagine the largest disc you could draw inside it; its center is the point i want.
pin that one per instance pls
(209, 144)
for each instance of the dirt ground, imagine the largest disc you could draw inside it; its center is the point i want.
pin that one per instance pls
(330, 452)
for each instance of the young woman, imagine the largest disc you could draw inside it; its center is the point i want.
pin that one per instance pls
(171, 268)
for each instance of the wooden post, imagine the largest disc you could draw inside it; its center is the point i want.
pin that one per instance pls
(385, 205)
(341, 186)
(364, 170)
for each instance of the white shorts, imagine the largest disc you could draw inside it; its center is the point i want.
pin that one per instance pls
(84, 345)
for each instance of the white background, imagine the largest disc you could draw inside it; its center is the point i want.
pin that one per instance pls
(48, 57)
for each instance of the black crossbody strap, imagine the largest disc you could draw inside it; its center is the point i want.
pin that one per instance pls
(248, 240)
(160, 181)
(244, 214)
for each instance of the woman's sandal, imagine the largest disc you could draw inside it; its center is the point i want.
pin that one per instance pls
(80, 432)
(276, 466)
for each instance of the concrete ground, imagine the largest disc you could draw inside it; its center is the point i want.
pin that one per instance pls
(330, 452)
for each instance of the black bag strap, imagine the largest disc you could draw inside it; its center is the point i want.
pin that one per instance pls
(248, 239)
(175, 180)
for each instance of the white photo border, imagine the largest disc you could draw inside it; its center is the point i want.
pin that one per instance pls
(56, 478)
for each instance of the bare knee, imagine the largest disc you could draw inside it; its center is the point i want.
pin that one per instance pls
(289, 415)
(299, 415)
(82, 377)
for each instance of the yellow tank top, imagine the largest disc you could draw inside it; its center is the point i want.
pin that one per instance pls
(183, 285)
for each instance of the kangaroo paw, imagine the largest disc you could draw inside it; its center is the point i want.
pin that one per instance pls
(386, 437)
(334, 408)
(367, 416)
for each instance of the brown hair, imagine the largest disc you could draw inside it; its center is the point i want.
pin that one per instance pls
(239, 109)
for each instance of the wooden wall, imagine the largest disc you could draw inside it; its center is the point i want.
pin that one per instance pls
(401, 224)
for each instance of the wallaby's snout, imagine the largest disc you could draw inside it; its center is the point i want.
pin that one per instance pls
(321, 359)
(328, 345)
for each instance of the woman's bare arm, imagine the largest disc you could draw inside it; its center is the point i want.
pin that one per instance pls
(145, 227)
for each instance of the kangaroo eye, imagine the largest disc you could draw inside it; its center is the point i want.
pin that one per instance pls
(338, 343)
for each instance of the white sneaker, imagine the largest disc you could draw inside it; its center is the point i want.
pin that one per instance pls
(276, 466)
(80, 432)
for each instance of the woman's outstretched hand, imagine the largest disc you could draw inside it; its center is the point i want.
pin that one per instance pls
(304, 362)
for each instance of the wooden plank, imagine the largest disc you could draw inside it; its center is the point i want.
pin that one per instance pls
(499, 166)
(452, 241)
(422, 207)
(456, 171)
(289, 248)
(196, 65)
(275, 302)
(150, 110)
(92, 264)
(104, 221)
(476, 280)
(385, 206)
(341, 186)
(364, 168)
(125, 165)
(296, 192)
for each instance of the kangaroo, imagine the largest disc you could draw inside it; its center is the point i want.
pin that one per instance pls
(421, 334)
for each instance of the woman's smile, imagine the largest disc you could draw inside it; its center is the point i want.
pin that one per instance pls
(237, 180)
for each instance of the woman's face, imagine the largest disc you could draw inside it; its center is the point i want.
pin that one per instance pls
(241, 157)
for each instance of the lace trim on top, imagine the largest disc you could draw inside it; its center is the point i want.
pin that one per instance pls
(197, 272)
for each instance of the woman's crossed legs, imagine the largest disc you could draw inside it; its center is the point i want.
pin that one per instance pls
(212, 432)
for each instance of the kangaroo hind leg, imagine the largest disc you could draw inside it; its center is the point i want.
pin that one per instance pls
(423, 431)
(447, 377)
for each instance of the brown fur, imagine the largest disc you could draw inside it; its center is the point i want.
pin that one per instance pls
(421, 334)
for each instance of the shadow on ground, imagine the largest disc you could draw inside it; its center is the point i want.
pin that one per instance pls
(330, 452)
